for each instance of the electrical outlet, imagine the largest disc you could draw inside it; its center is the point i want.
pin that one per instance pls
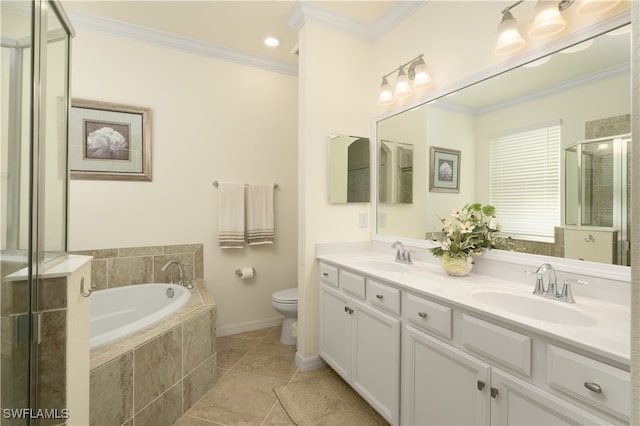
(362, 220)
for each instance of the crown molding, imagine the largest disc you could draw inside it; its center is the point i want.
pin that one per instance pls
(304, 12)
(133, 32)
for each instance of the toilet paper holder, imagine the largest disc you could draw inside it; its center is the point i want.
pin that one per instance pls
(239, 271)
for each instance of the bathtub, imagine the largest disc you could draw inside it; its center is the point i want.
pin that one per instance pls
(122, 311)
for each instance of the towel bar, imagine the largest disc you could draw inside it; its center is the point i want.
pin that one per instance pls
(215, 183)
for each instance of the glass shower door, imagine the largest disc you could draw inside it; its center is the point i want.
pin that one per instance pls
(15, 202)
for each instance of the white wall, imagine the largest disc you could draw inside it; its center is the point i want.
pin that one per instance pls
(212, 120)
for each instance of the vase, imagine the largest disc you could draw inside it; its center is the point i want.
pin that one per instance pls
(457, 266)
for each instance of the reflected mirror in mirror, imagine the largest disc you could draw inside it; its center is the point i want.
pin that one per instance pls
(395, 172)
(516, 130)
(349, 171)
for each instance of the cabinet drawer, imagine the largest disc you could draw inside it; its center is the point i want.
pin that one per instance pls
(497, 343)
(329, 274)
(599, 384)
(352, 284)
(428, 315)
(382, 295)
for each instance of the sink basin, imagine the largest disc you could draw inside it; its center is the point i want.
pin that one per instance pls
(536, 307)
(382, 265)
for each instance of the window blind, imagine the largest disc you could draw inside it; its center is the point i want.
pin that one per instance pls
(525, 182)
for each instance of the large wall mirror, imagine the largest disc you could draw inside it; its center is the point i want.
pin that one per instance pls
(546, 143)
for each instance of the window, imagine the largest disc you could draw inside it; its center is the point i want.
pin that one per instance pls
(525, 182)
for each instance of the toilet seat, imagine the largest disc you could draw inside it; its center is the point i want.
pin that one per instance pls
(286, 296)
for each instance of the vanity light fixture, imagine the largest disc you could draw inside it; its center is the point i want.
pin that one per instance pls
(594, 7)
(547, 22)
(413, 71)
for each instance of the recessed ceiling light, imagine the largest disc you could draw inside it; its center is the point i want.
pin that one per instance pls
(271, 41)
(578, 47)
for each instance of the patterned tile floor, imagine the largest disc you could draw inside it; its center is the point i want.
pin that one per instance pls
(250, 365)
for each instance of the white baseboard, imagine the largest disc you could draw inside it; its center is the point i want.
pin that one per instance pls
(311, 363)
(228, 330)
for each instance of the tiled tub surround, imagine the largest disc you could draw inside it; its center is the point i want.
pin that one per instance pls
(154, 376)
(138, 265)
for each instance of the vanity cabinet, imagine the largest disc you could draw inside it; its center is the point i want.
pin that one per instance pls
(457, 366)
(360, 341)
(441, 384)
(465, 380)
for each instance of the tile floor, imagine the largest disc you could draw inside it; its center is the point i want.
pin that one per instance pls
(250, 365)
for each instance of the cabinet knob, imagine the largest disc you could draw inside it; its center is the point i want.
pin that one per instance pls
(480, 384)
(346, 309)
(379, 296)
(422, 314)
(494, 393)
(325, 274)
(593, 387)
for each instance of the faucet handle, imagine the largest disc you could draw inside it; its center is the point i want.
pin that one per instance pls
(567, 295)
(170, 279)
(539, 288)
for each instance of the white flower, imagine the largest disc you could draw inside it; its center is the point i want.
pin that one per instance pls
(446, 244)
(106, 143)
(466, 227)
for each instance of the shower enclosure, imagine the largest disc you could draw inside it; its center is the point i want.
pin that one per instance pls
(33, 188)
(598, 190)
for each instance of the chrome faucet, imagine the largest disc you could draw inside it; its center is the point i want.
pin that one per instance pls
(180, 271)
(402, 254)
(551, 291)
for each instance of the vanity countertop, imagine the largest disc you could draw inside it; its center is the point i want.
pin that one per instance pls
(608, 336)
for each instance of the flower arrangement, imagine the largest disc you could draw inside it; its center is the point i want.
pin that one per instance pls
(470, 233)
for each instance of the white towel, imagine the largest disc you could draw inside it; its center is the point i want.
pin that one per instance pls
(260, 223)
(231, 215)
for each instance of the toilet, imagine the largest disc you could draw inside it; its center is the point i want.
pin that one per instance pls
(286, 302)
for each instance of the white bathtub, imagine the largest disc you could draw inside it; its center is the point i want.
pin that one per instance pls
(122, 311)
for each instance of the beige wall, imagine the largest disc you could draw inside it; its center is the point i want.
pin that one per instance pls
(212, 120)
(457, 39)
(337, 94)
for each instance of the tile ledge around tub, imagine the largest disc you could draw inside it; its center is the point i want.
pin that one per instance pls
(200, 302)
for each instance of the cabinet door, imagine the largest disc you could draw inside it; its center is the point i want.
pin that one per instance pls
(376, 359)
(441, 384)
(520, 403)
(335, 330)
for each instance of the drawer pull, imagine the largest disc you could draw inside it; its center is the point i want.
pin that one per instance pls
(379, 296)
(593, 387)
(325, 274)
(480, 384)
(422, 314)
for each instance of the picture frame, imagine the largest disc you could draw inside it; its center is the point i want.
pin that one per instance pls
(444, 171)
(109, 141)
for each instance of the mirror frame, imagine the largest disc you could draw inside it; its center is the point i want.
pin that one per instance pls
(601, 270)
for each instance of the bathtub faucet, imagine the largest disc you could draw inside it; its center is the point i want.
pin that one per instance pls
(180, 271)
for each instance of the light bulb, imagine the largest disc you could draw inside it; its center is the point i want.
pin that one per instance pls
(509, 38)
(403, 88)
(386, 96)
(548, 20)
(422, 79)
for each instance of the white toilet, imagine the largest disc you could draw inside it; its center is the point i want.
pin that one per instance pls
(286, 302)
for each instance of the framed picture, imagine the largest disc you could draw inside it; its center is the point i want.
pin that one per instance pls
(109, 141)
(444, 173)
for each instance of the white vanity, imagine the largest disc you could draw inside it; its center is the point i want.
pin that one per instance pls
(424, 348)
